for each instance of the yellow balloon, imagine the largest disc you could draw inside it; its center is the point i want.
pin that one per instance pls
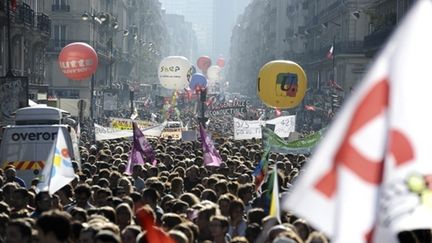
(281, 84)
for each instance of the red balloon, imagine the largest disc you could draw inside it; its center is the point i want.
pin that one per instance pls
(220, 62)
(78, 61)
(204, 63)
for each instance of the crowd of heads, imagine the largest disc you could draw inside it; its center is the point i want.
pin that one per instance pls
(188, 201)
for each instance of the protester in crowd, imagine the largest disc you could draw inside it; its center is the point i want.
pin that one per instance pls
(54, 227)
(10, 176)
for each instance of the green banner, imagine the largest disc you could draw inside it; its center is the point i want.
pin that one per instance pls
(300, 146)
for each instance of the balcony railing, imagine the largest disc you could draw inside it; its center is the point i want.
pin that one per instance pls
(43, 23)
(377, 38)
(25, 15)
(57, 45)
(60, 8)
(340, 48)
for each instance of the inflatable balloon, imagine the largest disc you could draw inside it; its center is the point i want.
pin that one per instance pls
(204, 63)
(78, 61)
(281, 84)
(198, 81)
(213, 73)
(220, 62)
(173, 72)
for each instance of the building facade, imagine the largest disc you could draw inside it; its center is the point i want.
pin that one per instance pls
(304, 31)
(128, 36)
(200, 14)
(30, 32)
(182, 38)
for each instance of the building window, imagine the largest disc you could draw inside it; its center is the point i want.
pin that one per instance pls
(59, 36)
(60, 5)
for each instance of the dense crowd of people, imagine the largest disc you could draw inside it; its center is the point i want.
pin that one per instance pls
(183, 199)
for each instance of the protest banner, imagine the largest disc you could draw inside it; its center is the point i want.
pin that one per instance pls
(284, 125)
(227, 108)
(106, 133)
(174, 133)
(126, 124)
(247, 129)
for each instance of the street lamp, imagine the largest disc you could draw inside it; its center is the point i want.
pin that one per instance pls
(99, 19)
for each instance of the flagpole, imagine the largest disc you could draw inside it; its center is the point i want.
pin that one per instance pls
(52, 159)
(334, 58)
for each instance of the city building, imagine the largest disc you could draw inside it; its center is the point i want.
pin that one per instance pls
(125, 37)
(200, 14)
(30, 32)
(333, 40)
(183, 41)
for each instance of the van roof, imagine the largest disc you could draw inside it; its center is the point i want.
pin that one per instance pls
(39, 114)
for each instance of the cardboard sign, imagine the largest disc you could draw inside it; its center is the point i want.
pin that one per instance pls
(247, 129)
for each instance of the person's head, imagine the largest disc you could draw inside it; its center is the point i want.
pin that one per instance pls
(245, 192)
(19, 198)
(106, 236)
(101, 196)
(109, 213)
(170, 220)
(255, 215)
(316, 237)
(130, 233)
(239, 239)
(236, 210)
(189, 198)
(88, 233)
(203, 218)
(221, 188)
(43, 201)
(224, 203)
(82, 194)
(218, 226)
(136, 170)
(8, 189)
(209, 194)
(177, 185)
(18, 231)
(150, 196)
(252, 231)
(124, 187)
(186, 230)
(180, 207)
(79, 214)
(4, 221)
(302, 228)
(178, 236)
(10, 174)
(124, 215)
(54, 226)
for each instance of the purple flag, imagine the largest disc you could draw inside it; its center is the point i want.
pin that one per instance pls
(141, 148)
(211, 155)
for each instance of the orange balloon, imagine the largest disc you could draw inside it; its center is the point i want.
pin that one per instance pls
(78, 61)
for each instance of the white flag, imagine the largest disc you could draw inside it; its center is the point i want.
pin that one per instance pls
(370, 177)
(58, 170)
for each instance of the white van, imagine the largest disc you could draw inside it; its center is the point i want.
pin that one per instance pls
(27, 145)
